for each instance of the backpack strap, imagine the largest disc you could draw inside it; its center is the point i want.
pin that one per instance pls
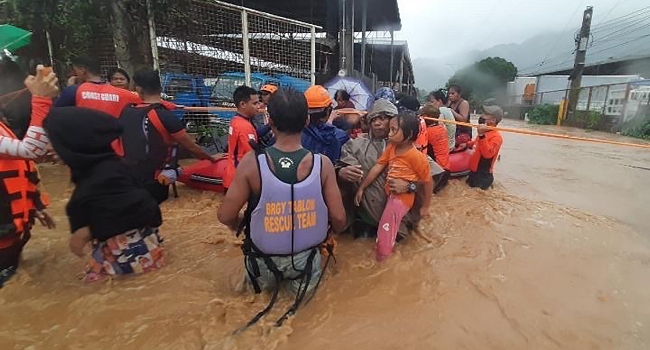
(157, 123)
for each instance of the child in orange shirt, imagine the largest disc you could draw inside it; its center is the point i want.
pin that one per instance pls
(404, 162)
(437, 145)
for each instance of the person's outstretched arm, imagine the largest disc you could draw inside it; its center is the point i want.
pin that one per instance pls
(332, 196)
(35, 143)
(238, 192)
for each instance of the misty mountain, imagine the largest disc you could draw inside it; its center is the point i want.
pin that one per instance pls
(432, 73)
(543, 53)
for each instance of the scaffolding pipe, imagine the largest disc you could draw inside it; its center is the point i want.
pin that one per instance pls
(247, 53)
(364, 39)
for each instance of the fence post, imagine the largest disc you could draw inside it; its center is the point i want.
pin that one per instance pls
(628, 88)
(606, 100)
(152, 36)
(313, 55)
(247, 52)
(591, 90)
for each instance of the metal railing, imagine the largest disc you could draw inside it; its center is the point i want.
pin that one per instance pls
(614, 103)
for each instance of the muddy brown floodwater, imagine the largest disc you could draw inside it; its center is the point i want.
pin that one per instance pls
(556, 256)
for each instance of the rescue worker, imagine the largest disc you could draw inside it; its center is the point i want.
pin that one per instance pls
(292, 195)
(261, 120)
(321, 136)
(93, 92)
(20, 199)
(151, 137)
(241, 131)
(487, 145)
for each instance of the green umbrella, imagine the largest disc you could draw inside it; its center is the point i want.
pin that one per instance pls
(13, 38)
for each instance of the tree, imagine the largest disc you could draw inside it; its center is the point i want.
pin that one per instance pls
(484, 79)
(116, 31)
(421, 94)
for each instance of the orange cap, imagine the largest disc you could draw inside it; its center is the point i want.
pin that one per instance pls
(317, 97)
(271, 89)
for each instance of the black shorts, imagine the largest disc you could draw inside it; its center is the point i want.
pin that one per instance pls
(10, 257)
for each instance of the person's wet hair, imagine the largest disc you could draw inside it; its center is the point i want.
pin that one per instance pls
(288, 110)
(439, 95)
(149, 81)
(112, 71)
(408, 103)
(316, 118)
(92, 65)
(409, 124)
(343, 95)
(243, 94)
(16, 108)
(456, 88)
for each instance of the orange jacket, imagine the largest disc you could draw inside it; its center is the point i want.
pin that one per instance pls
(241, 132)
(486, 153)
(438, 145)
(20, 196)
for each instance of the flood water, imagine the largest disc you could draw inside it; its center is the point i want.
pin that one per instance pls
(555, 256)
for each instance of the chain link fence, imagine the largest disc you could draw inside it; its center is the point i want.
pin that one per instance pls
(210, 48)
(604, 107)
(206, 51)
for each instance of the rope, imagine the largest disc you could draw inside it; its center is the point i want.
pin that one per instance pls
(545, 134)
(11, 96)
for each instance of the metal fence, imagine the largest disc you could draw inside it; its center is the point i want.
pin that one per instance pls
(213, 47)
(609, 105)
(211, 38)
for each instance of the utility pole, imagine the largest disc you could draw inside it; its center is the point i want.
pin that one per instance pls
(581, 53)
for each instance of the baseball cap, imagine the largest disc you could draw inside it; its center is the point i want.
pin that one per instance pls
(317, 98)
(271, 89)
(494, 111)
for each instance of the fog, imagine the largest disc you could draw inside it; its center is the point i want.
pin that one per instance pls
(442, 28)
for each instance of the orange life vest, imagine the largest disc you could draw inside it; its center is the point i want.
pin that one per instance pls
(18, 195)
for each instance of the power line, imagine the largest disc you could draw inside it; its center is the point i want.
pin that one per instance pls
(548, 67)
(622, 44)
(610, 38)
(610, 11)
(557, 40)
(622, 20)
(629, 24)
(540, 65)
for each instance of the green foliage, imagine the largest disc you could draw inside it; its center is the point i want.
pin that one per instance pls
(638, 127)
(484, 79)
(589, 120)
(78, 27)
(545, 114)
(642, 132)
(73, 24)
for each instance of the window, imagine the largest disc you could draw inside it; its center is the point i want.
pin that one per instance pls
(225, 87)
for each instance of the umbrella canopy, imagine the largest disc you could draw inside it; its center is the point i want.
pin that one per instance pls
(360, 94)
(13, 38)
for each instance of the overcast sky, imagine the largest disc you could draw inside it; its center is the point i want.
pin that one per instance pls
(457, 26)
